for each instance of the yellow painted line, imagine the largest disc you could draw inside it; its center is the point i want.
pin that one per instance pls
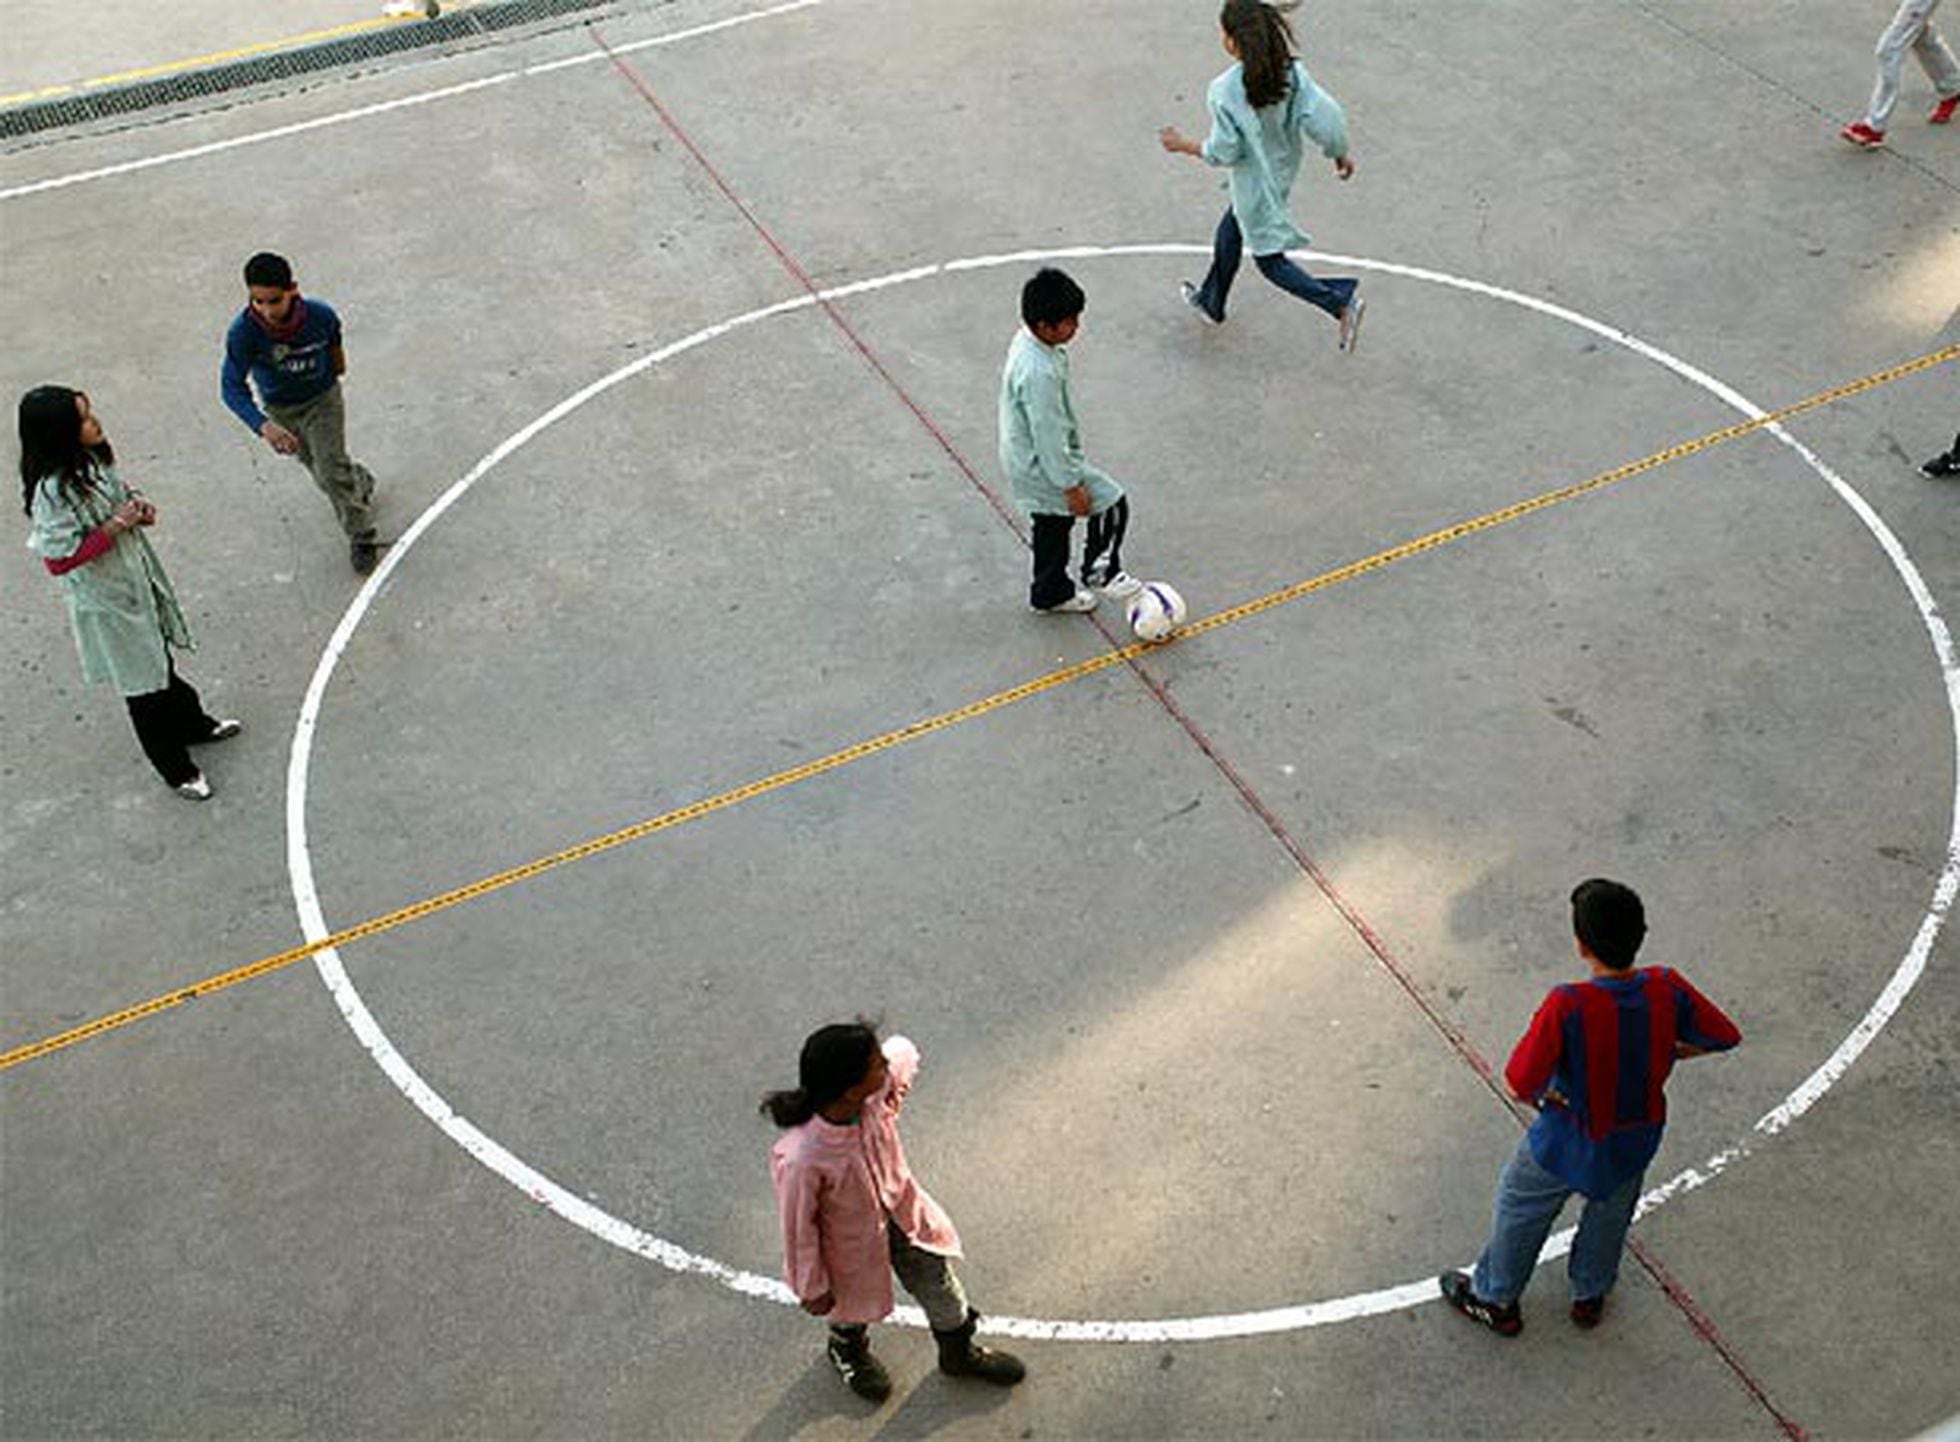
(1457, 532)
(216, 57)
(667, 821)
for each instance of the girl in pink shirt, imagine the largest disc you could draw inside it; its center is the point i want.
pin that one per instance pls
(853, 1213)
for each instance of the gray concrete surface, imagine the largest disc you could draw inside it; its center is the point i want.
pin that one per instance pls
(1165, 1076)
(50, 44)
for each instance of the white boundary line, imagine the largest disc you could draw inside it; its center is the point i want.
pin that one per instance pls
(342, 117)
(620, 1233)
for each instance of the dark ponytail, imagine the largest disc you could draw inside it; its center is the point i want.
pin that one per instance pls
(835, 1059)
(1265, 44)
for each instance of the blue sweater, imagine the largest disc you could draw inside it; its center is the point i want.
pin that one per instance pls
(287, 373)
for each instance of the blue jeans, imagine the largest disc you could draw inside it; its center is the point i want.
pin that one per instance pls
(1529, 1199)
(1228, 248)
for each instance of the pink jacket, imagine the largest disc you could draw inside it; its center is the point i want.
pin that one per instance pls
(837, 1184)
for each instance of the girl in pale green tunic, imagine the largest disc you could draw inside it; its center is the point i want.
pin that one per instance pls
(1261, 109)
(88, 532)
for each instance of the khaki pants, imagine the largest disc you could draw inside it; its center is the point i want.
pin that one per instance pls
(321, 425)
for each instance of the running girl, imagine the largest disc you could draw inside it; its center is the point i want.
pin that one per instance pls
(1260, 109)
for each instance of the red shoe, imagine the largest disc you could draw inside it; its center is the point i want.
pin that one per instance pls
(1862, 135)
(1943, 112)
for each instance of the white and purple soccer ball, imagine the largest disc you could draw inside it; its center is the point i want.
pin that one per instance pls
(1156, 611)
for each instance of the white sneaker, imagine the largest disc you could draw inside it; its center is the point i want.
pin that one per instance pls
(195, 789)
(1351, 318)
(224, 730)
(1081, 601)
(1189, 293)
(1119, 586)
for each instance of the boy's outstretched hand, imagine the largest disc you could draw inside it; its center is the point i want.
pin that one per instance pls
(1344, 167)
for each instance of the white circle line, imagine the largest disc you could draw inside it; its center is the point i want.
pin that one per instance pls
(620, 1233)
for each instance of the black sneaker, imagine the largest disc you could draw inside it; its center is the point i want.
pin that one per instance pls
(864, 1374)
(1504, 1321)
(1942, 466)
(1586, 1311)
(364, 554)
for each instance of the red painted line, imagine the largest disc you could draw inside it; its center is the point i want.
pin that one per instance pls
(1454, 1035)
(1359, 924)
(802, 278)
(1705, 1326)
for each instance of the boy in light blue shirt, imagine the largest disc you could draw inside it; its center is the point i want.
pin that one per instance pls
(1041, 451)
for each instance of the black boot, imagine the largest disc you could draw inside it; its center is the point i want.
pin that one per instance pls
(958, 1357)
(864, 1374)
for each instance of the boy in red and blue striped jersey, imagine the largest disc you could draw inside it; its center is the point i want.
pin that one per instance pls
(1594, 1061)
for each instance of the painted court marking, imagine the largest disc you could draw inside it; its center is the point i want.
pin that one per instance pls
(986, 705)
(424, 97)
(221, 57)
(602, 1224)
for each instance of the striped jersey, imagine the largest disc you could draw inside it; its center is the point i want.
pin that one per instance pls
(1596, 1058)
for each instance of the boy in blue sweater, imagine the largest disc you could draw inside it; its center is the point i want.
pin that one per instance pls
(290, 348)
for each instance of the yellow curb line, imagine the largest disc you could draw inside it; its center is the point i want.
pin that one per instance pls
(217, 57)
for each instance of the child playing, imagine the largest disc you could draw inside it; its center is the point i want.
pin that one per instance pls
(89, 532)
(1594, 1062)
(1041, 451)
(1259, 110)
(853, 1213)
(1911, 29)
(291, 348)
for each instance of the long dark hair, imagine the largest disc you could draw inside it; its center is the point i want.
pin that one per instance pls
(835, 1059)
(1265, 44)
(51, 443)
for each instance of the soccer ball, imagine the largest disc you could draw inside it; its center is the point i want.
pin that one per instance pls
(1156, 611)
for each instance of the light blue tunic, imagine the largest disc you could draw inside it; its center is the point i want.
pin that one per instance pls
(1263, 149)
(120, 604)
(1040, 443)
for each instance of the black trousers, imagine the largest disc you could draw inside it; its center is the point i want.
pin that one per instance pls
(1102, 552)
(168, 723)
